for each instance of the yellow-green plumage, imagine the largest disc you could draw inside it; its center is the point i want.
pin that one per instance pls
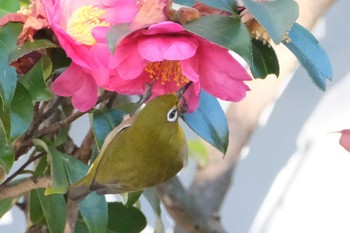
(143, 151)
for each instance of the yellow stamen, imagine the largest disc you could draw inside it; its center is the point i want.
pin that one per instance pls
(82, 21)
(167, 71)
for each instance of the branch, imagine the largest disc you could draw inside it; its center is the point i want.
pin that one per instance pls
(211, 183)
(25, 185)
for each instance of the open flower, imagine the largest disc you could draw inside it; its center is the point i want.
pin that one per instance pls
(173, 57)
(81, 28)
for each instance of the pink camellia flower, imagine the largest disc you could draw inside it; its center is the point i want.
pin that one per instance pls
(81, 28)
(174, 57)
(344, 140)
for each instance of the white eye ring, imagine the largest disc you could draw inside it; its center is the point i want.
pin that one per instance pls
(172, 115)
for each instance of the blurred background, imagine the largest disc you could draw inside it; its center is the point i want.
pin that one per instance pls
(293, 176)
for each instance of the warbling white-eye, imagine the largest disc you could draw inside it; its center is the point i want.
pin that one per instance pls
(145, 150)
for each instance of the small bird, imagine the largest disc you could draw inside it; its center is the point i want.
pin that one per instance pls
(145, 150)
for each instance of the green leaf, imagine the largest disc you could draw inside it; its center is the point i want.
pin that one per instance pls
(265, 60)
(154, 201)
(8, 76)
(277, 17)
(185, 2)
(133, 197)
(199, 152)
(29, 47)
(95, 212)
(5, 205)
(225, 5)
(311, 55)
(81, 227)
(123, 219)
(209, 122)
(34, 82)
(21, 112)
(231, 34)
(59, 178)
(93, 208)
(9, 6)
(7, 155)
(54, 209)
(115, 34)
(104, 121)
(36, 213)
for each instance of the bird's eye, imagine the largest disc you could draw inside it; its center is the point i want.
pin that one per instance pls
(172, 115)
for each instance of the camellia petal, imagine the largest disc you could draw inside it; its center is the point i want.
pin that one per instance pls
(225, 79)
(344, 140)
(167, 48)
(78, 84)
(164, 28)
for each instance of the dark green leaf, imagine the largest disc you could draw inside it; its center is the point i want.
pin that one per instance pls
(54, 209)
(55, 158)
(231, 34)
(81, 227)
(95, 212)
(29, 47)
(277, 17)
(123, 219)
(8, 76)
(21, 112)
(115, 34)
(225, 5)
(9, 6)
(154, 201)
(185, 2)
(94, 207)
(36, 213)
(310, 54)
(34, 82)
(7, 155)
(5, 205)
(265, 61)
(209, 122)
(133, 198)
(104, 121)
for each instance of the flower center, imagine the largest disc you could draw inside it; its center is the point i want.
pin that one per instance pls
(82, 21)
(166, 71)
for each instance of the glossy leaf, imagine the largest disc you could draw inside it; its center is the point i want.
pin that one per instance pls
(133, 197)
(152, 198)
(36, 213)
(225, 5)
(29, 47)
(123, 219)
(231, 34)
(7, 6)
(115, 34)
(185, 2)
(265, 60)
(94, 211)
(277, 17)
(34, 82)
(54, 209)
(55, 158)
(8, 76)
(5, 205)
(104, 121)
(7, 155)
(93, 208)
(311, 55)
(209, 122)
(21, 112)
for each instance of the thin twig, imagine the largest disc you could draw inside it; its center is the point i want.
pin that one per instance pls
(21, 169)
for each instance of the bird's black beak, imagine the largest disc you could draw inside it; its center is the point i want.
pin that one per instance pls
(182, 107)
(182, 90)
